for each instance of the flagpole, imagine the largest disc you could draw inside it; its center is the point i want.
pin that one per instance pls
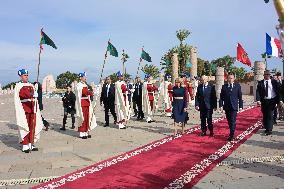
(140, 61)
(103, 64)
(139, 66)
(123, 63)
(38, 65)
(103, 67)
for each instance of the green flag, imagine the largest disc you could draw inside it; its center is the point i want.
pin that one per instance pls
(145, 56)
(112, 50)
(46, 40)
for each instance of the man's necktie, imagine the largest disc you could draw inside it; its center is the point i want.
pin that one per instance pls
(266, 88)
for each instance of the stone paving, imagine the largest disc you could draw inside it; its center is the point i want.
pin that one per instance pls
(63, 152)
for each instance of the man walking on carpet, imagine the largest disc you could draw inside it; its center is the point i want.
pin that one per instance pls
(28, 115)
(268, 96)
(231, 101)
(206, 102)
(84, 109)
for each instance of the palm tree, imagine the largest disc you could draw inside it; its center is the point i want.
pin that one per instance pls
(151, 70)
(182, 34)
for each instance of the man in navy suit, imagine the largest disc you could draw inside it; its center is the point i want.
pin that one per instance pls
(230, 101)
(108, 98)
(268, 96)
(205, 102)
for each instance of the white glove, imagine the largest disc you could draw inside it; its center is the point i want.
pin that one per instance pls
(36, 86)
(35, 95)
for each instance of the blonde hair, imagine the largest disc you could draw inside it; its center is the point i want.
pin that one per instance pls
(178, 80)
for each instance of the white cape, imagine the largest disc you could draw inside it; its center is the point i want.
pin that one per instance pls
(167, 100)
(79, 112)
(122, 110)
(21, 116)
(145, 100)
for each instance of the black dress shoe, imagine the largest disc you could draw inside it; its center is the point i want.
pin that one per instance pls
(268, 133)
(84, 137)
(211, 134)
(62, 129)
(26, 151)
(274, 122)
(73, 127)
(150, 121)
(230, 138)
(203, 134)
(106, 125)
(89, 136)
(35, 149)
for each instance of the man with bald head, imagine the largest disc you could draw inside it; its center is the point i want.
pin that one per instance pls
(206, 102)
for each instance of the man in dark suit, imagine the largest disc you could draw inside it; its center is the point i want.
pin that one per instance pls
(130, 90)
(69, 100)
(137, 97)
(108, 98)
(205, 102)
(279, 109)
(230, 101)
(268, 96)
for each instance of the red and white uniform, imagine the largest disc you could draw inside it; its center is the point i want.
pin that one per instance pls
(168, 97)
(188, 89)
(148, 99)
(85, 104)
(84, 110)
(151, 92)
(124, 91)
(27, 114)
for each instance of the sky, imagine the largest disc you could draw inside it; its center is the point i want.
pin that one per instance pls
(81, 29)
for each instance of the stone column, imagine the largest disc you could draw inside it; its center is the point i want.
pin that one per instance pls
(193, 60)
(259, 68)
(73, 85)
(219, 80)
(175, 66)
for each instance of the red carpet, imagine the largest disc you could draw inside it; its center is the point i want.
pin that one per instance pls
(172, 162)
